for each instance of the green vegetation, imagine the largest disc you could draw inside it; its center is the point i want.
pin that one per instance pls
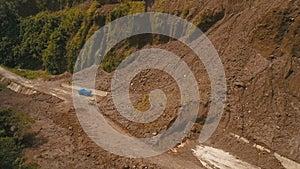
(207, 18)
(111, 61)
(24, 8)
(3, 87)
(13, 127)
(10, 154)
(29, 74)
(8, 34)
(127, 8)
(44, 40)
(49, 35)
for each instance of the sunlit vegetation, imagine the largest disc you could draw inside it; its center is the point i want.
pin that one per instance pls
(29, 74)
(49, 35)
(44, 40)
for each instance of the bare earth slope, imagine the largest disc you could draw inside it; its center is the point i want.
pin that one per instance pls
(259, 46)
(258, 43)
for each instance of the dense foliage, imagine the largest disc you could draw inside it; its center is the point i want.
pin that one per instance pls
(13, 126)
(49, 35)
(42, 40)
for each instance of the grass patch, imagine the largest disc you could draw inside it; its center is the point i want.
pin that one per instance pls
(3, 87)
(29, 74)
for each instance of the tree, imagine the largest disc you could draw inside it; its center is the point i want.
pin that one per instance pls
(8, 34)
(54, 56)
(34, 36)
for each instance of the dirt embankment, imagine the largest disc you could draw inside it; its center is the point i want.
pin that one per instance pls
(258, 43)
(261, 58)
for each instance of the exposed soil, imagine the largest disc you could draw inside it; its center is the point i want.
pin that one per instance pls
(258, 43)
(56, 138)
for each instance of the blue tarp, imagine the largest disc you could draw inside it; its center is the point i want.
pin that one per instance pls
(85, 92)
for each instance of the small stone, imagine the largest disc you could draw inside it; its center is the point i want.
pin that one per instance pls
(292, 19)
(272, 56)
(70, 127)
(154, 133)
(240, 84)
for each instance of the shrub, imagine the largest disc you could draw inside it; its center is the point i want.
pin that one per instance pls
(10, 153)
(13, 127)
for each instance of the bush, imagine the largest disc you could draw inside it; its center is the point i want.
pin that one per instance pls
(10, 153)
(13, 127)
(14, 124)
(2, 87)
(34, 38)
(30, 74)
(126, 9)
